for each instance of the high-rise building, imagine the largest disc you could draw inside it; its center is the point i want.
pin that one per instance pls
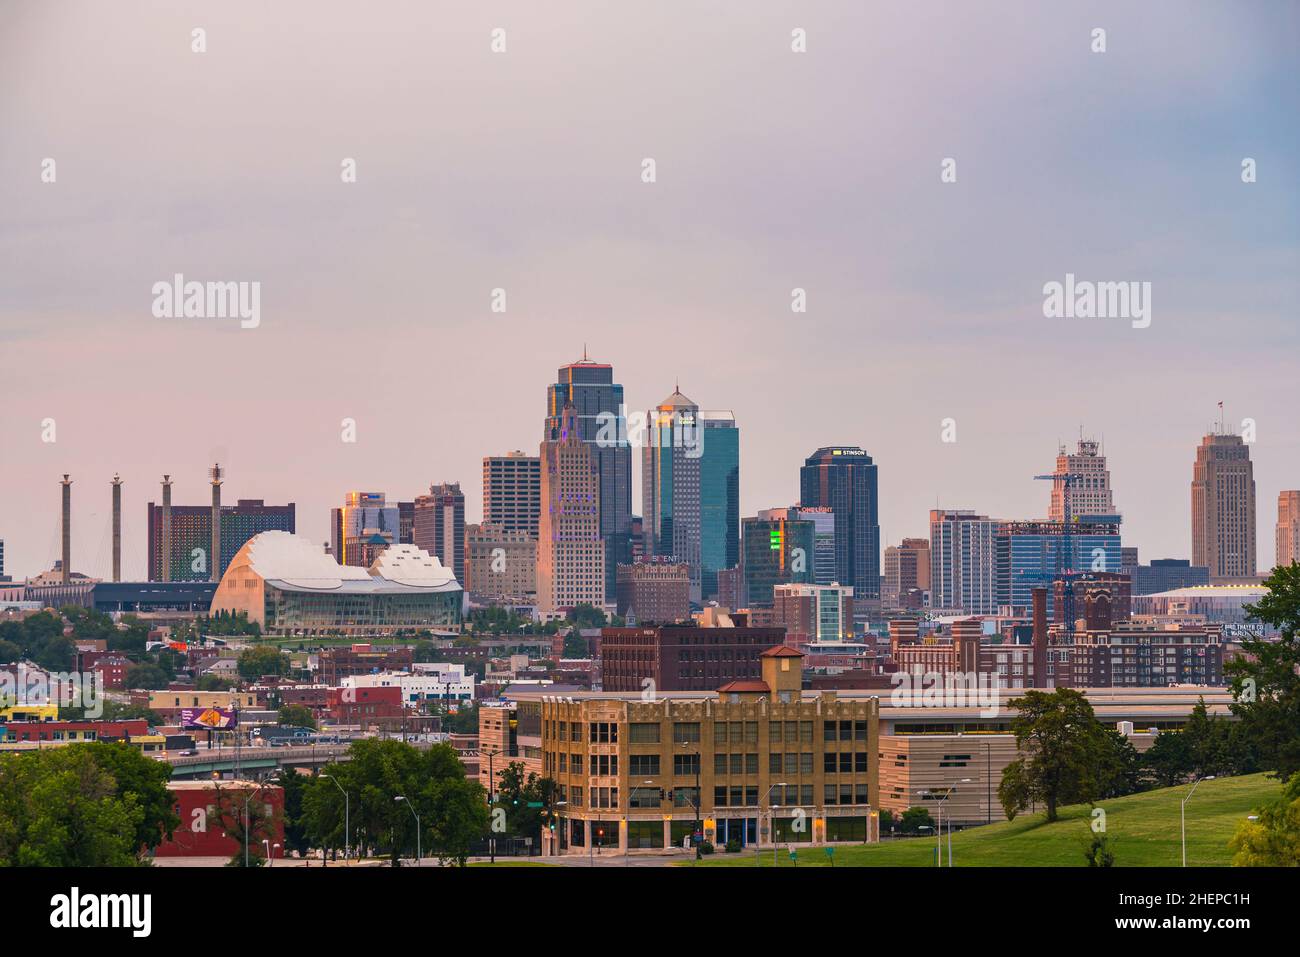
(844, 479)
(963, 561)
(774, 550)
(2, 561)
(440, 525)
(512, 491)
(406, 523)
(719, 498)
(191, 536)
(670, 483)
(1223, 507)
(1288, 530)
(1034, 554)
(1090, 492)
(500, 564)
(570, 547)
(600, 420)
(361, 528)
(823, 553)
(907, 567)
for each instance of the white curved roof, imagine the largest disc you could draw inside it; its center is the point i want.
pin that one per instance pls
(408, 565)
(295, 560)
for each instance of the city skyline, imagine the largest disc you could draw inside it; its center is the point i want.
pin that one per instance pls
(775, 172)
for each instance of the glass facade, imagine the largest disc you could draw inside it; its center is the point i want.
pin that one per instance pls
(719, 500)
(291, 612)
(1034, 554)
(775, 552)
(845, 480)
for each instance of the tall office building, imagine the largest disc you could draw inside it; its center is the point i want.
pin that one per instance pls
(512, 491)
(191, 536)
(907, 567)
(570, 547)
(1288, 530)
(362, 528)
(440, 526)
(1223, 507)
(844, 479)
(2, 561)
(670, 484)
(775, 550)
(719, 499)
(1090, 492)
(406, 523)
(963, 561)
(600, 421)
(1034, 554)
(822, 558)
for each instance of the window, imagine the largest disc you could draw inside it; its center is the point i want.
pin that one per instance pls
(846, 763)
(719, 763)
(828, 730)
(774, 763)
(751, 763)
(805, 732)
(643, 733)
(686, 732)
(860, 762)
(686, 764)
(829, 764)
(719, 796)
(737, 764)
(774, 732)
(806, 763)
(644, 765)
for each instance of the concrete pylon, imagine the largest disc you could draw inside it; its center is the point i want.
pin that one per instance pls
(166, 566)
(214, 557)
(67, 529)
(117, 528)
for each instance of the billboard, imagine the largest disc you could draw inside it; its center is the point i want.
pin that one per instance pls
(207, 718)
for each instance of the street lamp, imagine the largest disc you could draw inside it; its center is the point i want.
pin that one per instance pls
(419, 850)
(771, 817)
(947, 794)
(347, 816)
(1182, 814)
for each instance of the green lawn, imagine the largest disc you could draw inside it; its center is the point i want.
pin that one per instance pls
(1143, 829)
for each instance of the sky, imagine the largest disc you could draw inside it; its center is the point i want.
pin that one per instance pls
(522, 170)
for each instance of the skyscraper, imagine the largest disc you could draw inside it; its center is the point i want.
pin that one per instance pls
(570, 548)
(363, 527)
(600, 421)
(512, 491)
(1223, 507)
(719, 499)
(963, 561)
(670, 484)
(822, 558)
(1288, 530)
(1034, 554)
(1090, 493)
(439, 526)
(844, 479)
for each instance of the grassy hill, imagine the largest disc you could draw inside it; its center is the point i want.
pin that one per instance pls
(1143, 829)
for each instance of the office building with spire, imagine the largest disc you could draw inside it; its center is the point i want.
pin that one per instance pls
(599, 419)
(570, 547)
(670, 484)
(1090, 492)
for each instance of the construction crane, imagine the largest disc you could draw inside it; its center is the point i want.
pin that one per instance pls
(1065, 553)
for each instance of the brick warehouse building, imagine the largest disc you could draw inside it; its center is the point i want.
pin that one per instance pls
(683, 657)
(758, 758)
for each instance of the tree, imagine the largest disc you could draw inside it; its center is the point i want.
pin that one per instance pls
(1068, 757)
(262, 660)
(297, 715)
(143, 780)
(295, 831)
(914, 819)
(213, 682)
(515, 791)
(1273, 840)
(1098, 851)
(60, 808)
(452, 809)
(1266, 676)
(1169, 759)
(585, 615)
(246, 819)
(147, 676)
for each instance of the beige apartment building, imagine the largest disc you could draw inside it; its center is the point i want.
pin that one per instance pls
(500, 564)
(1288, 528)
(755, 761)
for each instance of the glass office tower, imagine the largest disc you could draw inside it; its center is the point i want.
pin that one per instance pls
(719, 498)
